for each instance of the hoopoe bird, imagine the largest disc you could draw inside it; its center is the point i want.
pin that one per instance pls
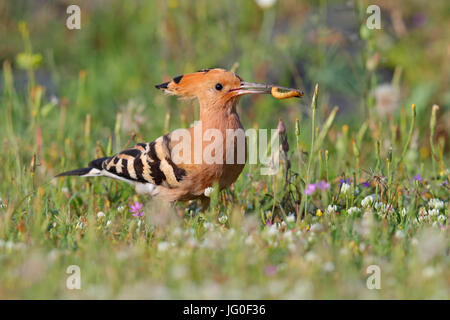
(150, 167)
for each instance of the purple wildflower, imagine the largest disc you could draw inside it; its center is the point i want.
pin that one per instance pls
(322, 185)
(366, 184)
(418, 178)
(136, 209)
(310, 188)
(419, 19)
(445, 183)
(342, 181)
(270, 270)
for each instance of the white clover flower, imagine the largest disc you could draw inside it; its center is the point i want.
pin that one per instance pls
(288, 236)
(441, 218)
(328, 266)
(163, 246)
(290, 218)
(353, 210)
(316, 227)
(208, 191)
(209, 226)
(108, 223)
(345, 188)
(265, 4)
(433, 212)
(101, 214)
(399, 234)
(367, 201)
(383, 208)
(311, 256)
(378, 205)
(436, 204)
(249, 240)
(120, 208)
(272, 230)
(332, 208)
(223, 219)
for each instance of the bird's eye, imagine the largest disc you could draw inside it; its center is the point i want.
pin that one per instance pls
(219, 86)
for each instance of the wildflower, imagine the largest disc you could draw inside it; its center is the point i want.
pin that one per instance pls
(418, 178)
(108, 223)
(403, 212)
(328, 266)
(399, 234)
(422, 211)
(342, 181)
(79, 225)
(366, 184)
(120, 208)
(270, 270)
(136, 209)
(310, 188)
(290, 218)
(318, 212)
(223, 219)
(332, 208)
(208, 191)
(101, 214)
(316, 227)
(367, 201)
(445, 183)
(272, 230)
(353, 210)
(288, 236)
(249, 240)
(209, 226)
(323, 185)
(265, 4)
(313, 187)
(436, 204)
(163, 246)
(386, 99)
(345, 188)
(383, 208)
(433, 212)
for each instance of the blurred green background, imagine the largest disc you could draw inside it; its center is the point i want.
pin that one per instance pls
(126, 47)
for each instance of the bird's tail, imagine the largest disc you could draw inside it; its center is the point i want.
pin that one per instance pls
(94, 169)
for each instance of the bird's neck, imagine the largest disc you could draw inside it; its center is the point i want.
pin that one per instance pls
(220, 117)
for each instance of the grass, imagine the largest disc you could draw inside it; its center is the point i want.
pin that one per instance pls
(264, 238)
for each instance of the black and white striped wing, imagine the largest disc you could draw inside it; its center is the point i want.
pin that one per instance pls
(145, 163)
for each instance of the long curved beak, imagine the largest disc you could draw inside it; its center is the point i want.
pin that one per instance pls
(253, 88)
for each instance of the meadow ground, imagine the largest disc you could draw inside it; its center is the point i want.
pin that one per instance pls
(363, 188)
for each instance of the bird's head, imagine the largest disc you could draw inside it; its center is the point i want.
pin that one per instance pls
(212, 86)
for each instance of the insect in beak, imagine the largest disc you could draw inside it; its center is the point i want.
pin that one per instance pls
(254, 88)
